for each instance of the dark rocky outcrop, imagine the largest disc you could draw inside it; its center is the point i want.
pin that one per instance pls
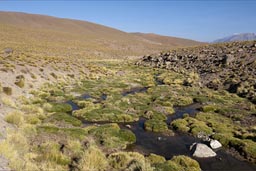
(229, 66)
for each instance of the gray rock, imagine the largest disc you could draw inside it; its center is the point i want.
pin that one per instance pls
(8, 50)
(202, 151)
(215, 144)
(240, 50)
(228, 59)
(128, 126)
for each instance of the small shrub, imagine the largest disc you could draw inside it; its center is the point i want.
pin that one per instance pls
(129, 161)
(50, 151)
(32, 119)
(14, 148)
(15, 118)
(31, 108)
(7, 90)
(93, 159)
(186, 163)
(183, 101)
(178, 163)
(209, 108)
(153, 158)
(169, 109)
(185, 115)
(20, 81)
(154, 115)
(8, 101)
(250, 149)
(74, 147)
(33, 76)
(167, 166)
(180, 125)
(54, 75)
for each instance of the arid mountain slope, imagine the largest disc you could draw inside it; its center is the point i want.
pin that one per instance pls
(166, 40)
(229, 66)
(66, 37)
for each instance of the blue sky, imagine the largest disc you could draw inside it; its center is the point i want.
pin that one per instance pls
(198, 20)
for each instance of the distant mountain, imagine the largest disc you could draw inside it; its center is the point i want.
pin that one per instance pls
(39, 32)
(237, 37)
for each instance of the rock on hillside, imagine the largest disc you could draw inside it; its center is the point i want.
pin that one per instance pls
(229, 66)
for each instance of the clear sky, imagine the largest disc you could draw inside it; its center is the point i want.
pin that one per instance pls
(198, 20)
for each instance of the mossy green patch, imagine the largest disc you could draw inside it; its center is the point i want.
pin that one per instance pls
(154, 159)
(178, 163)
(111, 136)
(219, 123)
(209, 108)
(105, 114)
(78, 133)
(180, 125)
(191, 125)
(186, 163)
(63, 117)
(154, 115)
(59, 107)
(155, 125)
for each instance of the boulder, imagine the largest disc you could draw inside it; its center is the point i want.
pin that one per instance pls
(8, 50)
(202, 151)
(215, 144)
(128, 126)
(228, 59)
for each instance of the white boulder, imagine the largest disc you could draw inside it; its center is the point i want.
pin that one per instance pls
(202, 151)
(215, 144)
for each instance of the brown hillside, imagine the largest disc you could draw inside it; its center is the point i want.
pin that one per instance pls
(166, 40)
(73, 37)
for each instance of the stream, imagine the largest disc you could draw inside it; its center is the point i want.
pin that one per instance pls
(169, 146)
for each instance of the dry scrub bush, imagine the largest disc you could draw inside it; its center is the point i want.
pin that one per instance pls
(15, 148)
(15, 117)
(93, 159)
(8, 101)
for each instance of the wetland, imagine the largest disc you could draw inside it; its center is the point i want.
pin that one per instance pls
(145, 119)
